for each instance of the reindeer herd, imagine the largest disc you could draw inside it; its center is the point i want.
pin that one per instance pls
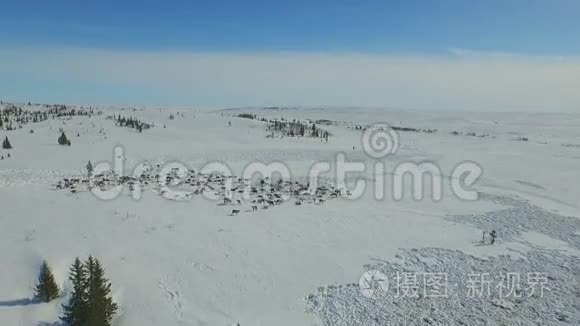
(263, 193)
(253, 194)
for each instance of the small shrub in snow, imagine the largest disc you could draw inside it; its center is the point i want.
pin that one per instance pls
(62, 140)
(6, 144)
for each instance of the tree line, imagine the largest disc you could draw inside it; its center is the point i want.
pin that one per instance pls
(13, 117)
(297, 128)
(130, 122)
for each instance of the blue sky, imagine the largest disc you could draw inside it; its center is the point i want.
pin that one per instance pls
(411, 54)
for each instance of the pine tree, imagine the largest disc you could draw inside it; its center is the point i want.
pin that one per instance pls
(75, 312)
(62, 140)
(101, 308)
(6, 143)
(46, 290)
(89, 169)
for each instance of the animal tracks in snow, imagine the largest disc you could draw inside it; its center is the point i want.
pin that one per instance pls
(202, 267)
(173, 297)
(22, 177)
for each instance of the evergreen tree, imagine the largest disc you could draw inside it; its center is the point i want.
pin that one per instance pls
(89, 169)
(101, 307)
(62, 140)
(46, 290)
(6, 143)
(75, 312)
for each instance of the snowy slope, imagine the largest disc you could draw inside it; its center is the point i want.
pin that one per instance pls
(191, 263)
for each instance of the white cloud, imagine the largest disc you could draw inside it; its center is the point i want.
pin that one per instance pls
(465, 80)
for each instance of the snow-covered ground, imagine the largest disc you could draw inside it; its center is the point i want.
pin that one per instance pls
(190, 262)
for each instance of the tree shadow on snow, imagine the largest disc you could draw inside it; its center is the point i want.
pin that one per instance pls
(481, 244)
(18, 302)
(46, 323)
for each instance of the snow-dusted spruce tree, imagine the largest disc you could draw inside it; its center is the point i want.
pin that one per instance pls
(89, 169)
(62, 140)
(75, 311)
(6, 143)
(90, 303)
(101, 308)
(46, 289)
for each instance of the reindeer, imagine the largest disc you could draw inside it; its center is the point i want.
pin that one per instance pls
(235, 212)
(254, 208)
(492, 236)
